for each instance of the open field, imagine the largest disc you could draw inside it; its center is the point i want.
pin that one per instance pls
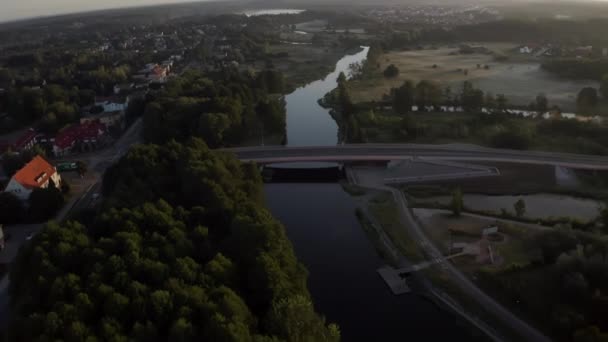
(520, 82)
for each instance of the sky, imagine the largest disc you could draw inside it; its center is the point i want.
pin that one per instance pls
(19, 9)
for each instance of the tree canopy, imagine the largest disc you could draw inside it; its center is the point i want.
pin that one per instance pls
(391, 71)
(181, 250)
(223, 111)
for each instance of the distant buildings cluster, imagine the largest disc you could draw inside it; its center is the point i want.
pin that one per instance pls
(550, 50)
(86, 135)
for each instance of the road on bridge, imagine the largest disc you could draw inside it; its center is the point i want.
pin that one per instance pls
(384, 152)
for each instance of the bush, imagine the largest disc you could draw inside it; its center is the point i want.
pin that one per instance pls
(391, 71)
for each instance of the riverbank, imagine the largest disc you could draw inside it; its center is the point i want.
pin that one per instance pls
(303, 64)
(309, 124)
(320, 222)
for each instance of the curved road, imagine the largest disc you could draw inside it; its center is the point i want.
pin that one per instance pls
(528, 332)
(384, 152)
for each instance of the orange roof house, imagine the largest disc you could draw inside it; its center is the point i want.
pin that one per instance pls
(36, 174)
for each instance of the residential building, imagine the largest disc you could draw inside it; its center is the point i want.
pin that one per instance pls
(87, 135)
(112, 103)
(37, 174)
(109, 119)
(26, 141)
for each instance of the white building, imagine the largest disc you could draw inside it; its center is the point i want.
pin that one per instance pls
(37, 174)
(112, 104)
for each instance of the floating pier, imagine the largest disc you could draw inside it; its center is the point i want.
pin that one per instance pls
(397, 284)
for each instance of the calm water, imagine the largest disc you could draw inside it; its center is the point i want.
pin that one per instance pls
(309, 124)
(537, 206)
(320, 222)
(277, 11)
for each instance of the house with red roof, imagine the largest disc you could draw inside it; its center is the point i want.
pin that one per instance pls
(37, 174)
(25, 141)
(83, 133)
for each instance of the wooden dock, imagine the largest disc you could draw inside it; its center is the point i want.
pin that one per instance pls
(397, 284)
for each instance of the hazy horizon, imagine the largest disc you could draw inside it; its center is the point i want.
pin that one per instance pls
(16, 10)
(19, 9)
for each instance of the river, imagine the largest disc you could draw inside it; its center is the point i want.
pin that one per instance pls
(342, 263)
(320, 222)
(309, 124)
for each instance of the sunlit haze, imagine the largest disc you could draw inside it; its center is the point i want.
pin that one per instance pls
(14, 9)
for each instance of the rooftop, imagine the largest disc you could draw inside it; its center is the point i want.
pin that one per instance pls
(35, 173)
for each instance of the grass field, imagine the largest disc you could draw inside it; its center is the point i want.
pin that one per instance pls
(384, 209)
(519, 81)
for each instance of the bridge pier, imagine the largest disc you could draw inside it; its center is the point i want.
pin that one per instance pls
(394, 281)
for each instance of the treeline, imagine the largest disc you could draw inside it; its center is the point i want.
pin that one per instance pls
(591, 69)
(588, 32)
(182, 250)
(402, 116)
(224, 108)
(563, 285)
(49, 89)
(52, 106)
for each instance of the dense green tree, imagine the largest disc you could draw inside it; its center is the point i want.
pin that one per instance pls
(403, 98)
(427, 93)
(520, 207)
(457, 204)
(391, 71)
(472, 99)
(225, 112)
(587, 99)
(347, 108)
(11, 208)
(542, 104)
(272, 81)
(206, 263)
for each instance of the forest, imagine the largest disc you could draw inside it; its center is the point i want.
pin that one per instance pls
(224, 109)
(182, 249)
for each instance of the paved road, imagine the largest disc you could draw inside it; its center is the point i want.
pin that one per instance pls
(454, 152)
(402, 262)
(528, 332)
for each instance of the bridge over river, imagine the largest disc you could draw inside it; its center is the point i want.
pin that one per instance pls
(387, 152)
